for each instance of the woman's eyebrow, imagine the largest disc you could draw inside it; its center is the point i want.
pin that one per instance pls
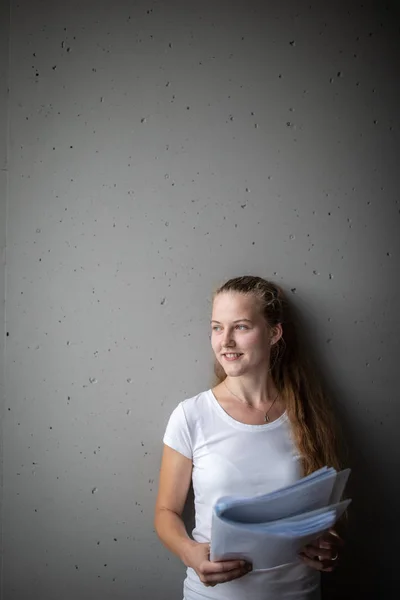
(237, 321)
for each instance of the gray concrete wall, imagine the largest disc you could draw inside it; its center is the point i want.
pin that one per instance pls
(156, 149)
(4, 57)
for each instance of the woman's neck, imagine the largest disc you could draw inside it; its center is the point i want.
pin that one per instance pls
(256, 392)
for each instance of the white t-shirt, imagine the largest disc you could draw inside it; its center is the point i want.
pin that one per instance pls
(229, 458)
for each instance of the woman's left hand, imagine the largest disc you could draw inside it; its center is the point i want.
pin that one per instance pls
(323, 553)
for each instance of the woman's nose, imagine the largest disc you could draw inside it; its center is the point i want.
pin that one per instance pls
(228, 339)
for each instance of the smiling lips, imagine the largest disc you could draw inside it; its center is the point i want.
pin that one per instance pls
(230, 356)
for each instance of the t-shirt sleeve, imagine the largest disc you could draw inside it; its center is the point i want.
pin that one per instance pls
(177, 434)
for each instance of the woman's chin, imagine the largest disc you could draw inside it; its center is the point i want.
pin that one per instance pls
(234, 369)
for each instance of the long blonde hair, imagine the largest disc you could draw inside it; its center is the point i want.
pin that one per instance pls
(314, 427)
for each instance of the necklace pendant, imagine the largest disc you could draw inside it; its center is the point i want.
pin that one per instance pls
(266, 418)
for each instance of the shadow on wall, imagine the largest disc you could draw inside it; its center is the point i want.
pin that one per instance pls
(366, 570)
(188, 515)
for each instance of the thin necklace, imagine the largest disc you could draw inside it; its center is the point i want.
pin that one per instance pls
(266, 417)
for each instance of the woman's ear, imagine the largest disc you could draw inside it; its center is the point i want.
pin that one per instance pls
(276, 334)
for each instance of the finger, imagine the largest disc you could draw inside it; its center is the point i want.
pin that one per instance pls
(329, 540)
(318, 543)
(318, 565)
(212, 579)
(335, 538)
(223, 566)
(333, 531)
(323, 541)
(318, 553)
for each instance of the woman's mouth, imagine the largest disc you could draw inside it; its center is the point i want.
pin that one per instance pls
(232, 356)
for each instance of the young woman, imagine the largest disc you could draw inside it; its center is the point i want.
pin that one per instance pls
(264, 425)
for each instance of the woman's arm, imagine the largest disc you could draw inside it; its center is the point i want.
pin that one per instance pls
(175, 476)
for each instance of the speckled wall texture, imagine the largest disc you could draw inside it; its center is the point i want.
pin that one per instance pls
(155, 149)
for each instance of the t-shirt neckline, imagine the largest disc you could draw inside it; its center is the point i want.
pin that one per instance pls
(238, 424)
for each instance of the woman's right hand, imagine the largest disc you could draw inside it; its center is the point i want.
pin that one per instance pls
(211, 573)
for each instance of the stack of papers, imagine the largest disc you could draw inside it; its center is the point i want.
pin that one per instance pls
(269, 530)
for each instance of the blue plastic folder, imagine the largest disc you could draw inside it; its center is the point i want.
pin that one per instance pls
(269, 530)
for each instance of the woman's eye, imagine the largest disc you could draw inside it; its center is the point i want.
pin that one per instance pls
(218, 327)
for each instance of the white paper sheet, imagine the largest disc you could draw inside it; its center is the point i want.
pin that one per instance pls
(269, 530)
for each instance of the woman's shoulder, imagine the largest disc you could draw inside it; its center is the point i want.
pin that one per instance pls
(197, 403)
(190, 412)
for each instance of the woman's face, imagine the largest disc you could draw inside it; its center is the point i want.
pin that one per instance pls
(240, 335)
